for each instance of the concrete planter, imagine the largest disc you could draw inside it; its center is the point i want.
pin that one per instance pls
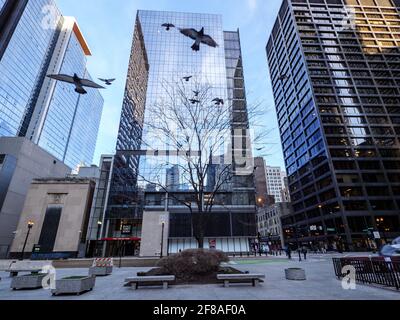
(32, 281)
(296, 274)
(100, 271)
(74, 285)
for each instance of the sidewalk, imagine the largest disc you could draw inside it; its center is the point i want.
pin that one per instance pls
(321, 284)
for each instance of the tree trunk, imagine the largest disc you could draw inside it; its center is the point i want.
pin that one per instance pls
(198, 227)
(200, 241)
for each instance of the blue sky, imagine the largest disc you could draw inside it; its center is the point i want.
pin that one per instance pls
(108, 28)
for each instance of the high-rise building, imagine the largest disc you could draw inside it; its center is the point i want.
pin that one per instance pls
(335, 74)
(270, 184)
(118, 200)
(172, 178)
(275, 182)
(160, 57)
(37, 40)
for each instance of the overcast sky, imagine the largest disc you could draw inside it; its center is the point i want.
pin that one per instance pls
(108, 27)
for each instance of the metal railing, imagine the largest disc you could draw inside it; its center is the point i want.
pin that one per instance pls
(371, 270)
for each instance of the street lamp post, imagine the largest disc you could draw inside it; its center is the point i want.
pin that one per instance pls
(30, 226)
(162, 240)
(298, 242)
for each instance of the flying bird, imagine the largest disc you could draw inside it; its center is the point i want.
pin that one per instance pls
(107, 81)
(218, 101)
(199, 38)
(283, 77)
(187, 79)
(77, 81)
(196, 93)
(168, 26)
(194, 101)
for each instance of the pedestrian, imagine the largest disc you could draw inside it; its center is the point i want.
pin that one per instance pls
(305, 251)
(289, 252)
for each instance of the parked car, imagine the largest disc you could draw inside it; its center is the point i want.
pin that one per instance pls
(390, 251)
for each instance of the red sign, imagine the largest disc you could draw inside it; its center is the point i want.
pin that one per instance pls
(212, 244)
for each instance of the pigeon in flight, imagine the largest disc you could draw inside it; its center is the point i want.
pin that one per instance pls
(78, 82)
(218, 101)
(187, 79)
(107, 81)
(199, 38)
(283, 77)
(168, 26)
(194, 101)
(196, 93)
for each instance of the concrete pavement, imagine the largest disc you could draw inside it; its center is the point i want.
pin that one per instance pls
(321, 285)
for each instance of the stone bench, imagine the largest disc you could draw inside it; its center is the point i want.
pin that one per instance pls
(255, 279)
(134, 282)
(27, 267)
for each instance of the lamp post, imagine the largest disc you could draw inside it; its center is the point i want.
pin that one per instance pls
(296, 228)
(162, 240)
(30, 226)
(99, 224)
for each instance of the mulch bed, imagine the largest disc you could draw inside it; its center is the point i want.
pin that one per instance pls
(210, 278)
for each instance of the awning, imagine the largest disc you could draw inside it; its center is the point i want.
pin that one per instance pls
(121, 239)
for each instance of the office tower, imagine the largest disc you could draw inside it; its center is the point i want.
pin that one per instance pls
(118, 200)
(275, 182)
(167, 57)
(263, 198)
(10, 14)
(172, 178)
(38, 41)
(335, 73)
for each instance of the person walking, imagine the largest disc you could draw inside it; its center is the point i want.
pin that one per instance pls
(305, 251)
(267, 249)
(289, 252)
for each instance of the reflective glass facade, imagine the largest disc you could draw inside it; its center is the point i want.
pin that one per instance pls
(334, 68)
(21, 67)
(171, 58)
(83, 131)
(2, 2)
(160, 58)
(67, 126)
(68, 132)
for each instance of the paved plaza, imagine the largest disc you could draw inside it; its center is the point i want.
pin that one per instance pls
(320, 285)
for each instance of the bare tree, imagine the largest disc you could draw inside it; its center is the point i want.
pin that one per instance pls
(206, 138)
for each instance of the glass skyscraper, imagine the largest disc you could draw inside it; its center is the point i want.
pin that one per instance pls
(335, 71)
(169, 58)
(49, 113)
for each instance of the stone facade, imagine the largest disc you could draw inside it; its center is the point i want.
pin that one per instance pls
(151, 234)
(74, 198)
